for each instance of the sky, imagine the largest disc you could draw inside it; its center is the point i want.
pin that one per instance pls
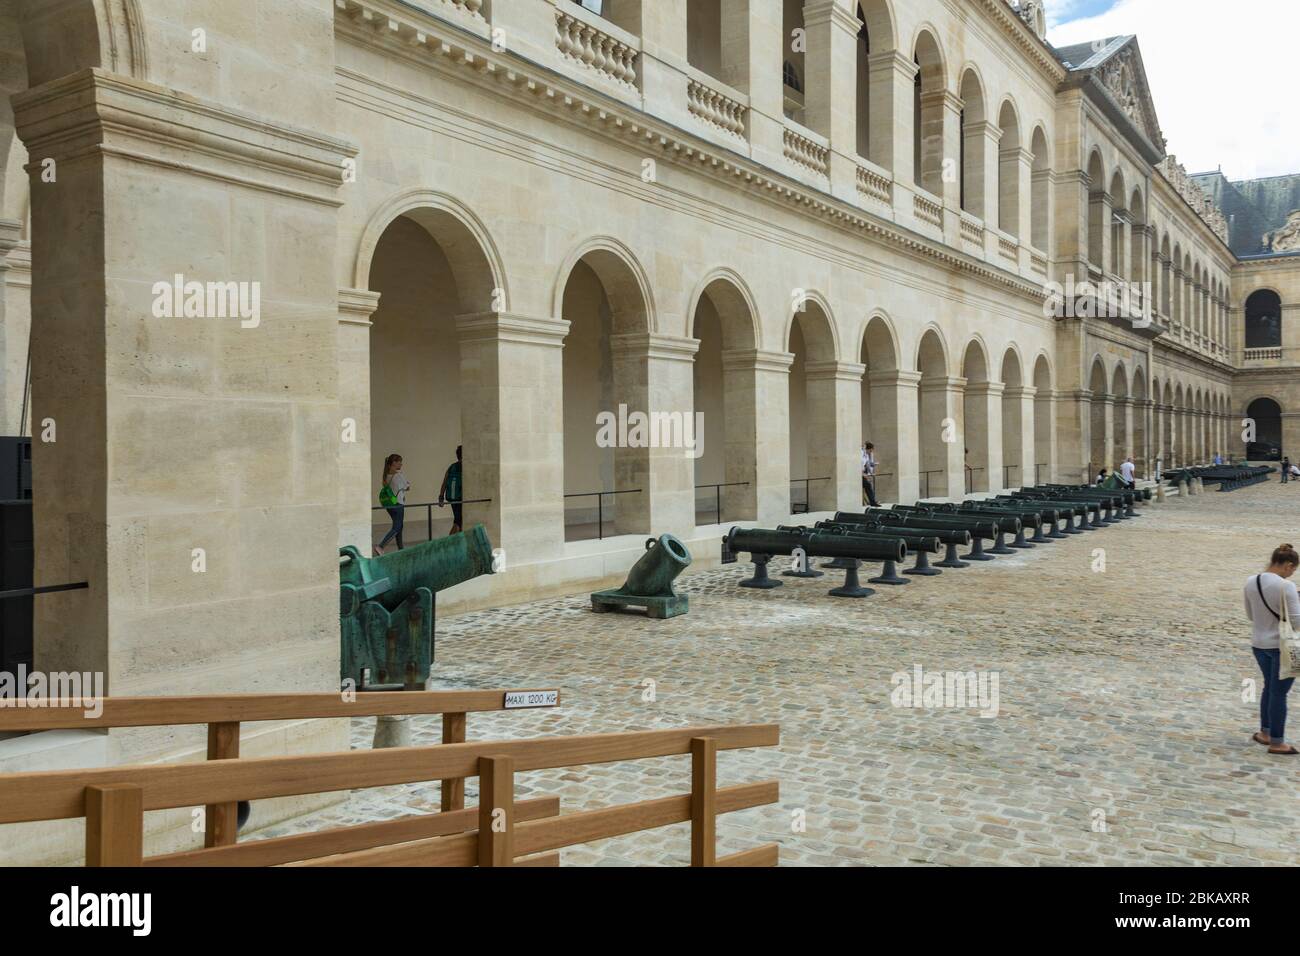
(1222, 75)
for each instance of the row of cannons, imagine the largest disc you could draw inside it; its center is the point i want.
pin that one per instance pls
(1009, 523)
(1228, 477)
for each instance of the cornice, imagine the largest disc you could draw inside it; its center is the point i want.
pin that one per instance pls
(1038, 52)
(434, 43)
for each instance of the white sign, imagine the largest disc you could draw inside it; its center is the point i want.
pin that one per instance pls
(531, 698)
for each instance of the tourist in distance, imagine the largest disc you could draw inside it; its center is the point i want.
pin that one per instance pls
(450, 492)
(869, 474)
(1128, 471)
(1264, 593)
(392, 495)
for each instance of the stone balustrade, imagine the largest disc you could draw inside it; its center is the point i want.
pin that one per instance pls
(802, 149)
(597, 50)
(716, 108)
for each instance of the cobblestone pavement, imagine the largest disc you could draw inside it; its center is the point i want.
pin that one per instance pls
(1122, 734)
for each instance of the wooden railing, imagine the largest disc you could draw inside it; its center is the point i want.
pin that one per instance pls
(225, 714)
(499, 832)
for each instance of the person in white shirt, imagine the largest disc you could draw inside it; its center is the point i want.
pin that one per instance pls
(869, 474)
(1264, 594)
(1127, 471)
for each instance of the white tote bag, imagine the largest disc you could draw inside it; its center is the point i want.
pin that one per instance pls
(1288, 642)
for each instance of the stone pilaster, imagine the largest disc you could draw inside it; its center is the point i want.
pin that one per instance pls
(835, 424)
(762, 380)
(358, 488)
(982, 414)
(894, 433)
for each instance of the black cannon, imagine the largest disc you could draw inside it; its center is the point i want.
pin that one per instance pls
(1010, 522)
(1089, 510)
(1041, 518)
(980, 529)
(762, 544)
(921, 545)
(1004, 524)
(878, 523)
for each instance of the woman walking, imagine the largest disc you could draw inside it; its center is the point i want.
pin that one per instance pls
(1264, 594)
(392, 495)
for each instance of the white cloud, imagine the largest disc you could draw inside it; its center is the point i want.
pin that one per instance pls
(1220, 75)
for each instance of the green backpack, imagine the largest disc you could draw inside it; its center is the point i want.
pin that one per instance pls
(387, 498)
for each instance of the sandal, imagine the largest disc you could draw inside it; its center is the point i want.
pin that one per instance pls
(1256, 735)
(1289, 752)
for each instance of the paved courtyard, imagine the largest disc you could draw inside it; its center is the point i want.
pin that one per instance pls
(1122, 732)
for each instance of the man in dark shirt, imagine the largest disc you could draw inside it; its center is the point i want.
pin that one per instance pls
(451, 491)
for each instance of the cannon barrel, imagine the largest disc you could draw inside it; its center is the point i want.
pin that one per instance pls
(1008, 523)
(1028, 518)
(914, 540)
(978, 527)
(766, 541)
(436, 565)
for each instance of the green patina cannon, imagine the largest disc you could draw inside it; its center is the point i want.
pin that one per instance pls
(386, 606)
(650, 582)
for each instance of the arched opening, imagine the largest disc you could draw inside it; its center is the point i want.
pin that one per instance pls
(1182, 453)
(1263, 320)
(1168, 452)
(1119, 220)
(1040, 195)
(977, 435)
(704, 36)
(1044, 400)
(927, 114)
(934, 413)
(1137, 230)
(1177, 283)
(1140, 449)
(1119, 391)
(428, 269)
(1009, 170)
(863, 86)
(1166, 265)
(1266, 415)
(974, 145)
(1197, 316)
(880, 405)
(792, 58)
(1097, 452)
(606, 455)
(726, 470)
(1098, 221)
(812, 410)
(1013, 424)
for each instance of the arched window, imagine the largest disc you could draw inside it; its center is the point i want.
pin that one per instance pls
(1263, 320)
(790, 76)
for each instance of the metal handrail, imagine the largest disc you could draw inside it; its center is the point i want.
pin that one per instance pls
(924, 473)
(718, 490)
(807, 494)
(600, 504)
(428, 507)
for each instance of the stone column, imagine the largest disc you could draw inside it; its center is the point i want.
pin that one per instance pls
(941, 431)
(981, 170)
(982, 415)
(1108, 454)
(892, 76)
(15, 325)
(834, 430)
(1045, 412)
(940, 140)
(358, 488)
(1074, 432)
(761, 379)
(1023, 399)
(225, 443)
(753, 46)
(512, 414)
(1016, 180)
(653, 374)
(831, 74)
(894, 415)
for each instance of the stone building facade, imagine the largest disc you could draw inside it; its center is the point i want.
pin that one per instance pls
(487, 222)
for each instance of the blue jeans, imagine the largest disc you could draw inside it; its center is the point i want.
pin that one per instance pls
(1272, 702)
(398, 514)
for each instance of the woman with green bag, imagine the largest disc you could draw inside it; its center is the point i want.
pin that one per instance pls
(392, 495)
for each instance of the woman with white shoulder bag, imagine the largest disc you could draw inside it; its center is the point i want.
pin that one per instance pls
(1273, 607)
